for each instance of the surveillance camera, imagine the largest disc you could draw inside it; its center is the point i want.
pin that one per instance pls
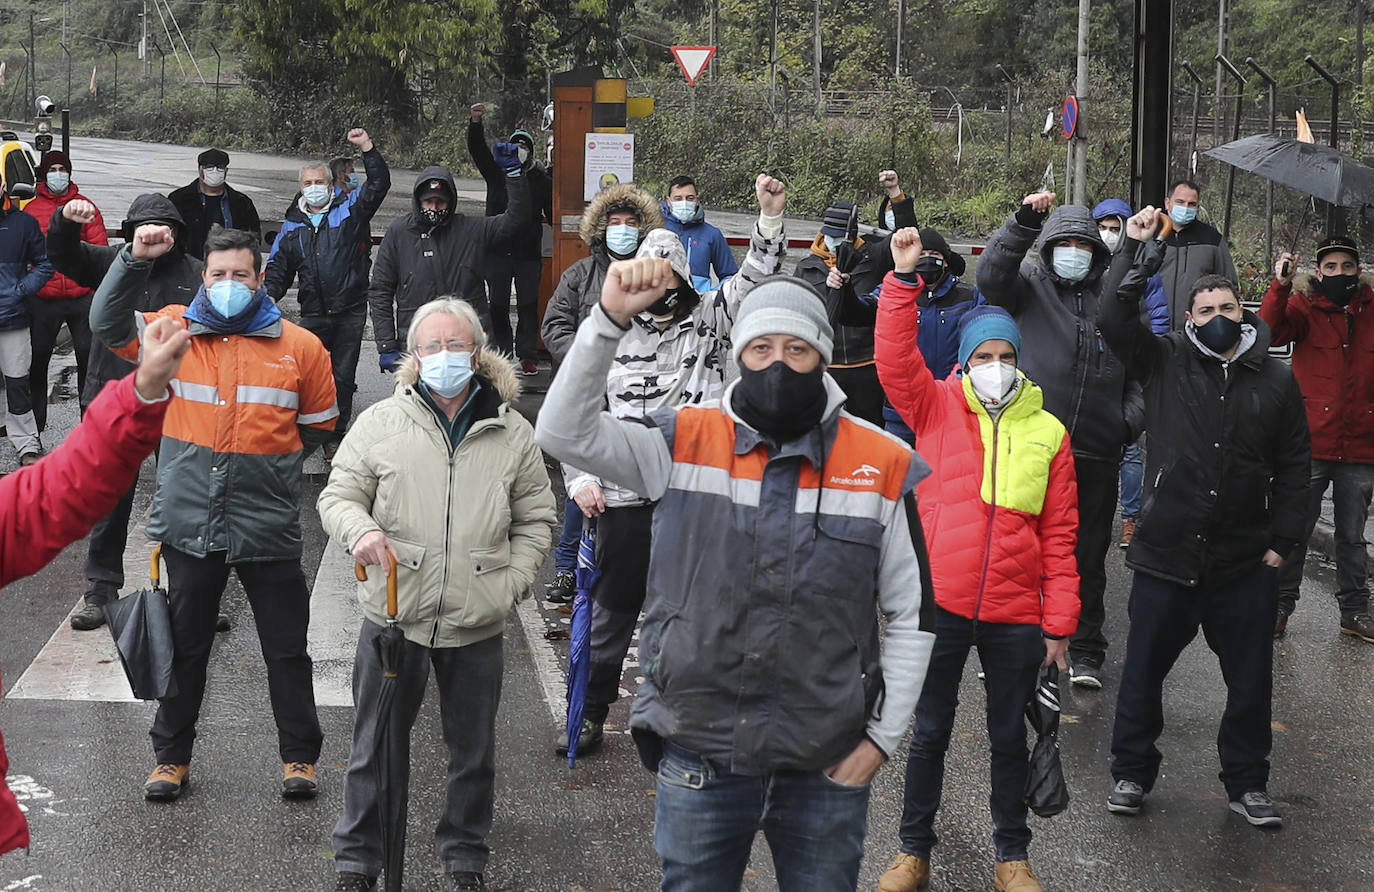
(45, 105)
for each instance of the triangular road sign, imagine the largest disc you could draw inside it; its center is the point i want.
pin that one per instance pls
(693, 60)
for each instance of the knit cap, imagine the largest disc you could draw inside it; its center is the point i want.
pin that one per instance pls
(841, 220)
(986, 323)
(787, 306)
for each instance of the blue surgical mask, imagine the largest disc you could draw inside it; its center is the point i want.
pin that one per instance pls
(622, 239)
(1072, 264)
(446, 372)
(353, 181)
(317, 195)
(1182, 215)
(229, 298)
(686, 211)
(890, 219)
(58, 181)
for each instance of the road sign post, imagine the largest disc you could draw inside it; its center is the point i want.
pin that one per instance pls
(693, 60)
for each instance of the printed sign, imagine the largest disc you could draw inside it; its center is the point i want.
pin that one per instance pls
(608, 160)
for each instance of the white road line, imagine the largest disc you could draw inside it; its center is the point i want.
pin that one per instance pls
(335, 618)
(546, 665)
(85, 665)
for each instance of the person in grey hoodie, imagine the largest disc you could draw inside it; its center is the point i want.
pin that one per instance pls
(1085, 385)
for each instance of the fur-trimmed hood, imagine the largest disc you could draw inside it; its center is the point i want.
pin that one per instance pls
(617, 198)
(1306, 284)
(494, 369)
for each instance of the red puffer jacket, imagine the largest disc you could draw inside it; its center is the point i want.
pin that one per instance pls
(1333, 360)
(1000, 508)
(45, 507)
(41, 208)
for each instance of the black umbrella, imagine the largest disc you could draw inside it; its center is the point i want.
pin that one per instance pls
(1320, 171)
(390, 777)
(1046, 793)
(141, 625)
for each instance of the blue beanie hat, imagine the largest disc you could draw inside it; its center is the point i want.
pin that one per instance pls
(1112, 207)
(985, 324)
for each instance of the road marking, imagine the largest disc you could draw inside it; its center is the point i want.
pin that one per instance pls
(25, 883)
(335, 619)
(546, 664)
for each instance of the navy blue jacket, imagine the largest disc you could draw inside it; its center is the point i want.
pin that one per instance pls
(705, 246)
(24, 266)
(334, 258)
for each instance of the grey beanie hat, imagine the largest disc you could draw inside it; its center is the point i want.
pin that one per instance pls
(788, 306)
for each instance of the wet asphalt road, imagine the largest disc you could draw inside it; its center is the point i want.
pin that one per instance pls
(79, 765)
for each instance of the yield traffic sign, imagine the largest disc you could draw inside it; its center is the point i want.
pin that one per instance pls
(693, 60)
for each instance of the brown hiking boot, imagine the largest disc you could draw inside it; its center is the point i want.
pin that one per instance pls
(1359, 625)
(1127, 532)
(298, 780)
(167, 782)
(907, 874)
(1016, 876)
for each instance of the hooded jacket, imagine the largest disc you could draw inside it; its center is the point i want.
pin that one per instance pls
(460, 570)
(579, 289)
(1156, 301)
(41, 208)
(57, 501)
(174, 278)
(706, 248)
(24, 266)
(418, 262)
(1333, 360)
(332, 258)
(229, 465)
(768, 569)
(1001, 505)
(190, 204)
(528, 243)
(1190, 253)
(1226, 472)
(1084, 384)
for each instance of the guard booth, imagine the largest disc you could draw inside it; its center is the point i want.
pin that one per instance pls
(583, 102)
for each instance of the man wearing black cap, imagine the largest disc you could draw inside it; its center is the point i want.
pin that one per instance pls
(209, 200)
(842, 266)
(519, 259)
(1328, 317)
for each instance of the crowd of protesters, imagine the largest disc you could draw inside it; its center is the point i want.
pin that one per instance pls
(772, 458)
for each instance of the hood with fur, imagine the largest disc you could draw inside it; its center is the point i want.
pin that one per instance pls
(619, 198)
(493, 368)
(1306, 283)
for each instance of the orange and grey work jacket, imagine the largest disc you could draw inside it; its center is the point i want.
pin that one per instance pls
(229, 466)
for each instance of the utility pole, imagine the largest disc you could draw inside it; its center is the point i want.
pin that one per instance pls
(711, 27)
(32, 67)
(1080, 144)
(143, 45)
(773, 63)
(901, 17)
(816, 57)
(1223, 44)
(1357, 124)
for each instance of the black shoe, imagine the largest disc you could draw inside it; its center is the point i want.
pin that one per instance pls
(90, 616)
(465, 880)
(587, 743)
(1258, 809)
(354, 882)
(1085, 675)
(1281, 624)
(222, 623)
(1126, 798)
(563, 588)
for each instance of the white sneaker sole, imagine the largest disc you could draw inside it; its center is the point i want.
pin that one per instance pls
(1086, 681)
(1275, 821)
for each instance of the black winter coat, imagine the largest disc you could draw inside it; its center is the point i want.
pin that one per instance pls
(417, 262)
(528, 243)
(1226, 472)
(189, 206)
(174, 279)
(332, 260)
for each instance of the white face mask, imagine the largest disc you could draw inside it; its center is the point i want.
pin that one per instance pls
(1110, 238)
(1072, 264)
(214, 176)
(992, 381)
(832, 242)
(890, 219)
(523, 154)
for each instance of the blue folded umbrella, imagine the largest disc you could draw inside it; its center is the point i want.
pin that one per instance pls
(580, 643)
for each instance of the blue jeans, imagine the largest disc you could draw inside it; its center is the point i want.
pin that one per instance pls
(1132, 477)
(1011, 655)
(1352, 485)
(565, 552)
(705, 823)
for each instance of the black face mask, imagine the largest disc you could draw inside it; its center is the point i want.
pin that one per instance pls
(671, 303)
(435, 216)
(1340, 290)
(931, 270)
(1218, 335)
(779, 402)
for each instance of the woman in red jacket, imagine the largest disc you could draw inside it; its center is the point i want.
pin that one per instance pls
(1000, 510)
(45, 507)
(61, 300)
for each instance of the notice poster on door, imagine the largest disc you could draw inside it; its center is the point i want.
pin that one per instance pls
(608, 160)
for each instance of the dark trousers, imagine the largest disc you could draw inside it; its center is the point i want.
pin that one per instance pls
(1238, 622)
(1096, 510)
(105, 550)
(1352, 486)
(500, 271)
(565, 552)
(863, 395)
(1011, 656)
(468, 683)
(342, 335)
(622, 553)
(281, 609)
(46, 318)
